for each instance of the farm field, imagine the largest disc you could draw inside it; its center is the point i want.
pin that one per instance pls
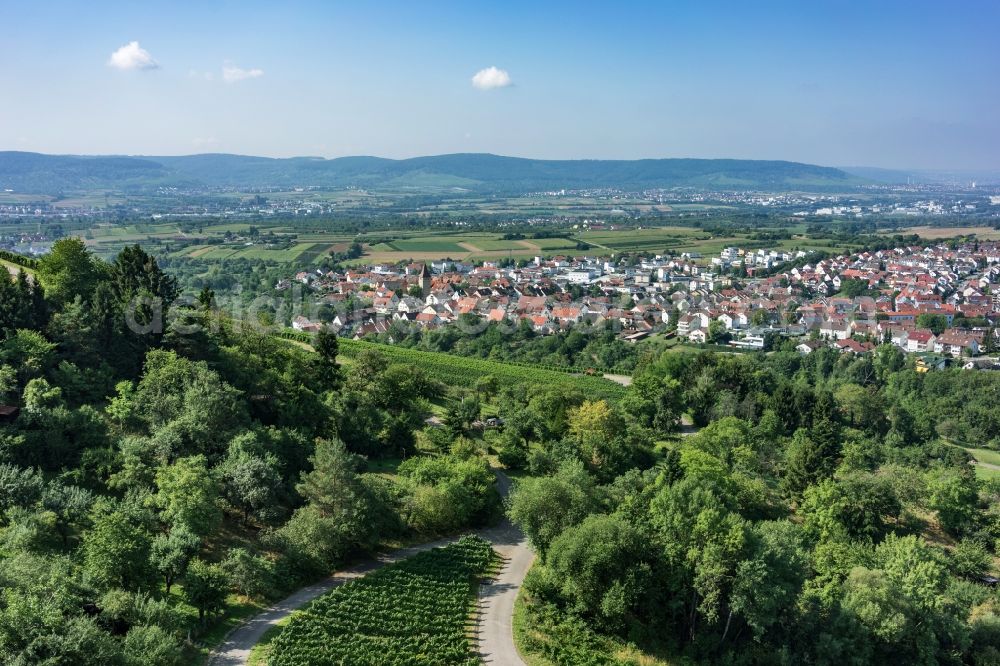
(313, 246)
(464, 370)
(116, 232)
(551, 243)
(20, 198)
(651, 240)
(426, 245)
(310, 245)
(413, 612)
(931, 233)
(89, 200)
(209, 252)
(234, 227)
(460, 247)
(502, 245)
(689, 239)
(323, 237)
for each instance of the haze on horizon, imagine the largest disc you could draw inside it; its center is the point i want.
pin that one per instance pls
(897, 85)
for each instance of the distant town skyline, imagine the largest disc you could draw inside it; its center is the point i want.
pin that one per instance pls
(891, 84)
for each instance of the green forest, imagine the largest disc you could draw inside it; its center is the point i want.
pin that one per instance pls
(822, 514)
(167, 471)
(158, 485)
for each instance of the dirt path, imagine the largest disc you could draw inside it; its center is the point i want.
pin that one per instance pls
(688, 427)
(590, 242)
(624, 380)
(470, 247)
(495, 636)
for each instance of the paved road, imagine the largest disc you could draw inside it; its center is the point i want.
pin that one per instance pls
(495, 637)
(495, 633)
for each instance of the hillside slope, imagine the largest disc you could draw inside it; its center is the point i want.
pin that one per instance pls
(37, 173)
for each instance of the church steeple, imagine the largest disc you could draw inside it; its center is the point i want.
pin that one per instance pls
(425, 281)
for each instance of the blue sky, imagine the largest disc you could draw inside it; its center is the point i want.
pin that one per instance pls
(879, 83)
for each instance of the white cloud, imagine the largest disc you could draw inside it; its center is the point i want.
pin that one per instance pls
(490, 78)
(132, 56)
(232, 73)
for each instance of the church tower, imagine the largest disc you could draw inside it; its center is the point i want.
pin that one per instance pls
(425, 281)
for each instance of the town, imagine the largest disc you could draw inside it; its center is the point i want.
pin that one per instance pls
(873, 201)
(939, 301)
(500, 334)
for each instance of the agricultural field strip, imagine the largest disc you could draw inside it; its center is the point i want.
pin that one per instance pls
(496, 598)
(412, 611)
(236, 647)
(460, 370)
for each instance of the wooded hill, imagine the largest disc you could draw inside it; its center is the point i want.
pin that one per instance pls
(38, 173)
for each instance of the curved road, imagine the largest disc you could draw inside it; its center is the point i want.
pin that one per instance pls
(494, 636)
(495, 633)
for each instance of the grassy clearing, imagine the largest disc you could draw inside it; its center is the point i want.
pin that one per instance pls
(985, 455)
(13, 268)
(987, 462)
(987, 473)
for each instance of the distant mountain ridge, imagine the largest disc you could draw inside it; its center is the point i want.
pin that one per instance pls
(925, 176)
(481, 172)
